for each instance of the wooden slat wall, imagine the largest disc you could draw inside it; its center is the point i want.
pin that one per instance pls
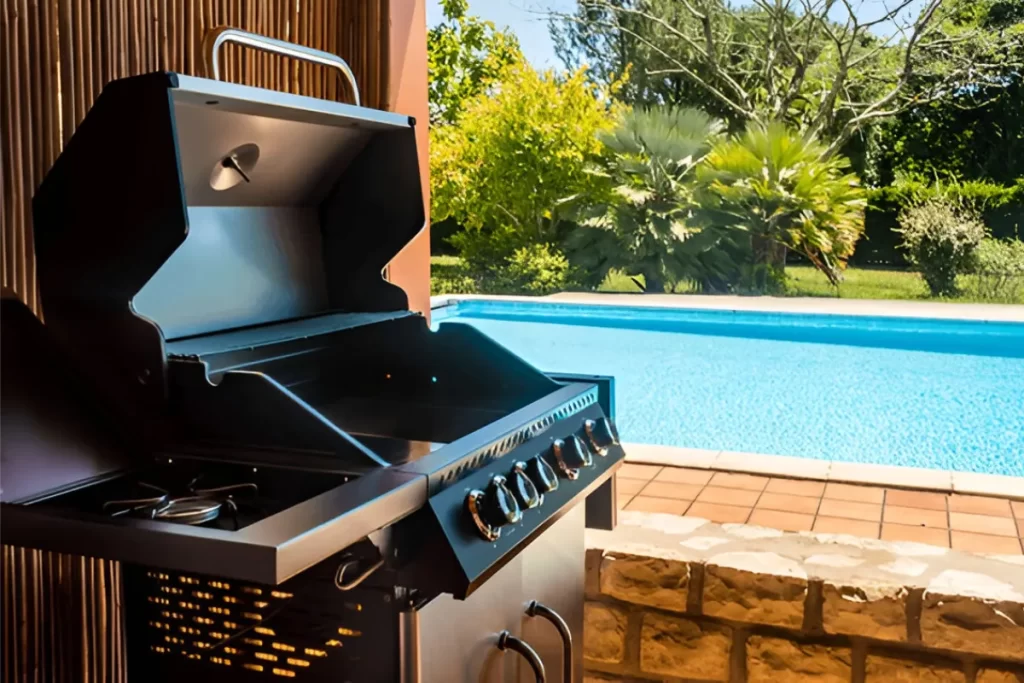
(62, 618)
(61, 615)
(57, 55)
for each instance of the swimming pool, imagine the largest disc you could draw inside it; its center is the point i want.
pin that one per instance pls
(941, 394)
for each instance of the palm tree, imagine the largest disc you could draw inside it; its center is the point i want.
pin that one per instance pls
(782, 191)
(640, 224)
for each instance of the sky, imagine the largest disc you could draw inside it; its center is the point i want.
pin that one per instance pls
(527, 19)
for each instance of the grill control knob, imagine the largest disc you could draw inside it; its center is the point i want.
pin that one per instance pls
(571, 454)
(523, 488)
(602, 434)
(493, 508)
(542, 474)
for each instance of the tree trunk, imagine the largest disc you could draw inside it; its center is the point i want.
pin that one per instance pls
(653, 284)
(769, 252)
(769, 262)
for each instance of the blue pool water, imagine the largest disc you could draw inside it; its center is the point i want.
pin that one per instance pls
(899, 391)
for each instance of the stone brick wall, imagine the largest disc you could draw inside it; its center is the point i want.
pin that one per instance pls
(692, 601)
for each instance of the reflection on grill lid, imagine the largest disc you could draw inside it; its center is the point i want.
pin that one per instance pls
(184, 206)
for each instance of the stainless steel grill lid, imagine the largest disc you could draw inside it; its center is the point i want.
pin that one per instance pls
(186, 206)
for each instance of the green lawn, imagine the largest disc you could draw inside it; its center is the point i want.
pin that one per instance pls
(870, 283)
(858, 283)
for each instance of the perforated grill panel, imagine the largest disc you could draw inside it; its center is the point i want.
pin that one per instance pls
(304, 630)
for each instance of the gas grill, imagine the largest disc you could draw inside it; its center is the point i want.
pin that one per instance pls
(303, 479)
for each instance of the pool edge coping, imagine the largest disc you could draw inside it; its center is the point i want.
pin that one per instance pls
(837, 471)
(882, 308)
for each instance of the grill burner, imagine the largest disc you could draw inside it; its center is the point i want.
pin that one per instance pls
(202, 506)
(198, 493)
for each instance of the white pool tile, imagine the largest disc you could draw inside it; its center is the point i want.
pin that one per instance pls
(779, 465)
(988, 484)
(672, 456)
(891, 475)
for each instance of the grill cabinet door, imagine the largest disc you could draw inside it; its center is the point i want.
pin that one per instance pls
(457, 639)
(553, 575)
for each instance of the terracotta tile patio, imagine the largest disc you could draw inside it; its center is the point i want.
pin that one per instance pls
(963, 522)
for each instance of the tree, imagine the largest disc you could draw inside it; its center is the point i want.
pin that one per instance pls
(465, 56)
(515, 152)
(819, 66)
(641, 226)
(977, 133)
(608, 43)
(782, 191)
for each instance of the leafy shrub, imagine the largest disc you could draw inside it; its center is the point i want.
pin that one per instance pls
(449, 275)
(537, 270)
(531, 269)
(487, 251)
(940, 237)
(998, 270)
(1001, 209)
(515, 152)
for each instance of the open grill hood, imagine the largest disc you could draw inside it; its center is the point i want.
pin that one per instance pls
(219, 249)
(185, 207)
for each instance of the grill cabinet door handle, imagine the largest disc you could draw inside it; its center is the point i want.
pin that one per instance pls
(536, 609)
(224, 34)
(507, 641)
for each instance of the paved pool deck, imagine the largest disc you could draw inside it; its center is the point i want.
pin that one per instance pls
(963, 511)
(770, 304)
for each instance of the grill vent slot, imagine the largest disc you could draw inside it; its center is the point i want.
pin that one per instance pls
(257, 629)
(524, 434)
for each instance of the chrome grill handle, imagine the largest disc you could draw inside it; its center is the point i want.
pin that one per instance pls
(216, 37)
(507, 641)
(536, 609)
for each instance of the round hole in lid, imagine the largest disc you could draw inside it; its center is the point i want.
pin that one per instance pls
(235, 167)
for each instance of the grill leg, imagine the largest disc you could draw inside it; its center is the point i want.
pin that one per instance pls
(602, 507)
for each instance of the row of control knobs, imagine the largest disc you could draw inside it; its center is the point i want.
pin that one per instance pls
(505, 498)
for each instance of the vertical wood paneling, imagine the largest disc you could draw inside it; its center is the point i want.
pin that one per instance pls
(58, 54)
(61, 615)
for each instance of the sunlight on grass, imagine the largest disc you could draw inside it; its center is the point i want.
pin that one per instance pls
(619, 282)
(858, 283)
